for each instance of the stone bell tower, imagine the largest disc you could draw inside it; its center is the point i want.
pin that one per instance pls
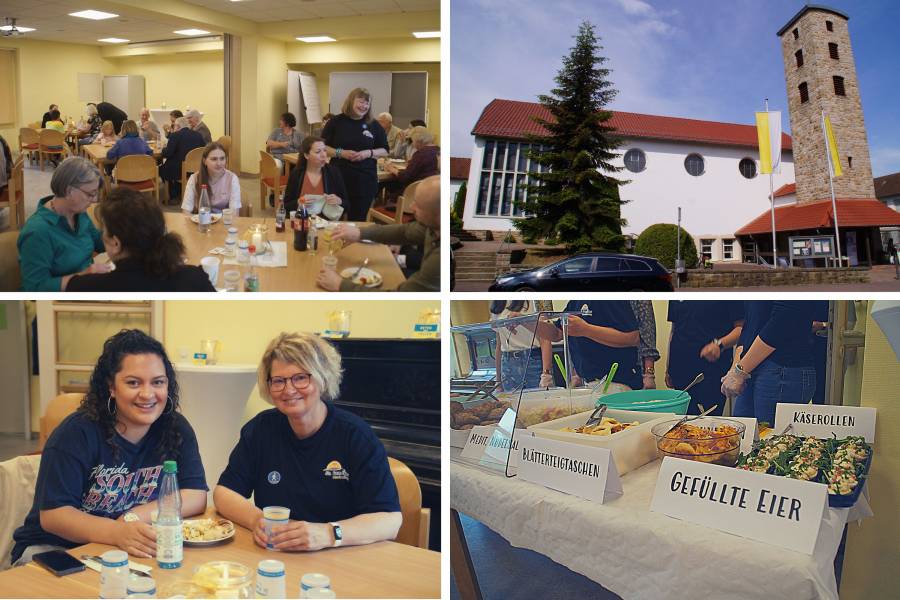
(821, 75)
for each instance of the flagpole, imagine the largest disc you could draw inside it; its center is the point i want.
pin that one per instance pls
(772, 198)
(837, 235)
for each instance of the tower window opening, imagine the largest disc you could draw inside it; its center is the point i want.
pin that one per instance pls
(796, 33)
(833, 51)
(829, 25)
(849, 162)
(839, 86)
(804, 93)
(799, 55)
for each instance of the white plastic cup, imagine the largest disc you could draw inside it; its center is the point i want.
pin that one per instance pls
(210, 264)
(270, 581)
(232, 279)
(272, 516)
(141, 587)
(227, 216)
(114, 574)
(329, 262)
(313, 581)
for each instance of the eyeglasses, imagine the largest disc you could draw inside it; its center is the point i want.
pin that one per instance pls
(300, 381)
(93, 194)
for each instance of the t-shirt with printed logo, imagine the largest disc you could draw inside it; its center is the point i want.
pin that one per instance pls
(79, 469)
(337, 473)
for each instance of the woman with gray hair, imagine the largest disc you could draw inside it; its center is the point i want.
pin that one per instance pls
(323, 463)
(423, 164)
(59, 239)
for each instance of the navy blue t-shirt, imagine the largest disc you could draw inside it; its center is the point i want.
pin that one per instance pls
(592, 360)
(786, 325)
(360, 178)
(337, 473)
(78, 469)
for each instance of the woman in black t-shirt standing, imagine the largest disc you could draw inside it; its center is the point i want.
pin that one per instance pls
(355, 140)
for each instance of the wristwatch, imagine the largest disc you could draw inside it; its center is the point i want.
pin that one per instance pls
(651, 370)
(739, 369)
(338, 534)
(130, 516)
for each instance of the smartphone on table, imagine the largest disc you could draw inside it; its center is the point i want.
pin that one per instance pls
(59, 563)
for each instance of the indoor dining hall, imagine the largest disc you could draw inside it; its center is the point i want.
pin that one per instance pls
(146, 450)
(208, 145)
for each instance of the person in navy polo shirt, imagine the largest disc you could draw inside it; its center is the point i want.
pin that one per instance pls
(101, 468)
(322, 462)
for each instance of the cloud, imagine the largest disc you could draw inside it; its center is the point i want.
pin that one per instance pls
(885, 160)
(636, 7)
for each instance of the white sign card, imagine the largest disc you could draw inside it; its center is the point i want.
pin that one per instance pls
(584, 471)
(774, 510)
(825, 421)
(491, 443)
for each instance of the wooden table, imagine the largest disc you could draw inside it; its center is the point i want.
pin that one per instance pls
(97, 152)
(293, 158)
(300, 273)
(382, 570)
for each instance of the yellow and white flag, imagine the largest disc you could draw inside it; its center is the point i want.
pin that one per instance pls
(831, 148)
(768, 132)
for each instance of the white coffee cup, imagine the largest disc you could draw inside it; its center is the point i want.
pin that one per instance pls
(210, 264)
(227, 216)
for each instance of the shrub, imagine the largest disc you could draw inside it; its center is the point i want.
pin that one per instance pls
(659, 241)
(456, 209)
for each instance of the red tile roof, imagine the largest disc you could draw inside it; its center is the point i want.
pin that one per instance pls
(512, 119)
(459, 167)
(818, 215)
(786, 190)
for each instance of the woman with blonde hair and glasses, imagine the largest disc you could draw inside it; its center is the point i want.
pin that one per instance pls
(323, 463)
(357, 141)
(59, 239)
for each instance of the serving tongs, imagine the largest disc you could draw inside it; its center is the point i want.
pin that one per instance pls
(686, 418)
(596, 416)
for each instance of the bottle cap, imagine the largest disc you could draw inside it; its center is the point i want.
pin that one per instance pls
(170, 466)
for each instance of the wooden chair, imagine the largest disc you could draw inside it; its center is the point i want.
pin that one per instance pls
(58, 409)
(29, 143)
(190, 165)
(416, 520)
(10, 276)
(52, 142)
(138, 172)
(14, 196)
(270, 177)
(397, 213)
(225, 140)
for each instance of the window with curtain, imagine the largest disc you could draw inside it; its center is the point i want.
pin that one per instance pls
(9, 89)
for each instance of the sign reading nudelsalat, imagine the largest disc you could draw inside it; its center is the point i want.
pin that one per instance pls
(775, 510)
(824, 421)
(491, 443)
(583, 471)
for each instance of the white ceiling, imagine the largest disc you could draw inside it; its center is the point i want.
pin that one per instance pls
(52, 21)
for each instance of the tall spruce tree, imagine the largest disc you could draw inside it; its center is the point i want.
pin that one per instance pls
(573, 197)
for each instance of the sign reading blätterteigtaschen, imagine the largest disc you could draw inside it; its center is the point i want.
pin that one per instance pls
(583, 471)
(775, 510)
(825, 421)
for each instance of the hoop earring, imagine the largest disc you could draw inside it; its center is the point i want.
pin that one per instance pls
(170, 407)
(109, 405)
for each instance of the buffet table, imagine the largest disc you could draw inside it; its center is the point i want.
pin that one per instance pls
(381, 570)
(637, 553)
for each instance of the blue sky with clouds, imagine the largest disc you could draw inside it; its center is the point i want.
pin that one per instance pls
(702, 59)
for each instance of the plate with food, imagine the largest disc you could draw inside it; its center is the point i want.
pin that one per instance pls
(214, 218)
(207, 532)
(365, 277)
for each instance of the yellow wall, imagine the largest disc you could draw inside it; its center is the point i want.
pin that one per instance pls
(195, 79)
(873, 553)
(48, 74)
(245, 327)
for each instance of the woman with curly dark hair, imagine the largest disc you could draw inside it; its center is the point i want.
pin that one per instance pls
(101, 467)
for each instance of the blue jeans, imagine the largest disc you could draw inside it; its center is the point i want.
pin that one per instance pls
(513, 369)
(770, 384)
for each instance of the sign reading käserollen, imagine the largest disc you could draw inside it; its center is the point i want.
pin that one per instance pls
(775, 510)
(583, 471)
(825, 421)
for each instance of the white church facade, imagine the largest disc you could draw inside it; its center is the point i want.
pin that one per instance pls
(709, 169)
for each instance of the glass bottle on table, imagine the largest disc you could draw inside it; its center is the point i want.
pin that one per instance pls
(204, 210)
(251, 279)
(169, 536)
(280, 215)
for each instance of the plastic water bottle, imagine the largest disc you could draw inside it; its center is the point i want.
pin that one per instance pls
(204, 217)
(114, 574)
(169, 536)
(251, 279)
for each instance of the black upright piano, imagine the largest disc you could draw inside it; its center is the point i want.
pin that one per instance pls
(395, 385)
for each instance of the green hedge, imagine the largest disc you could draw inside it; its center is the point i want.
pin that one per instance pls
(659, 241)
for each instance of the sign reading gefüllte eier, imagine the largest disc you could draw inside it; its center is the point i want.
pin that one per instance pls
(775, 510)
(825, 421)
(583, 471)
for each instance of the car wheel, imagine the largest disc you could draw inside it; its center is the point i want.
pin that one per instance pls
(525, 289)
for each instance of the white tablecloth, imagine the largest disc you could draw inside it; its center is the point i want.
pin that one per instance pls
(642, 555)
